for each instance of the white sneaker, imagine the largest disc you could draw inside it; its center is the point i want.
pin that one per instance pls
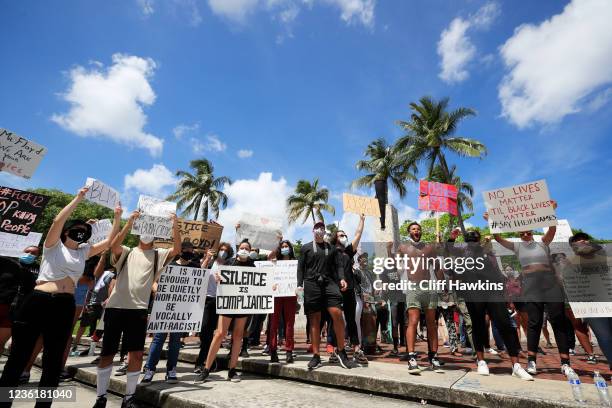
(92, 349)
(518, 371)
(566, 370)
(531, 367)
(483, 369)
(492, 351)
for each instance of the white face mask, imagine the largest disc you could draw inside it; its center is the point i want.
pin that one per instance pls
(343, 240)
(319, 232)
(221, 254)
(146, 239)
(243, 254)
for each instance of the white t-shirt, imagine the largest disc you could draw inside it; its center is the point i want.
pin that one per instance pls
(60, 261)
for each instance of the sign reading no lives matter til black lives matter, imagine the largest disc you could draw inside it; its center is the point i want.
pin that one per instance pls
(19, 210)
(244, 290)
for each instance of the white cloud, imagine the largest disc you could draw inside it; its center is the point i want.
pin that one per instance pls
(555, 66)
(181, 130)
(212, 144)
(187, 7)
(243, 153)
(154, 181)
(236, 10)
(455, 47)
(146, 6)
(355, 11)
(109, 103)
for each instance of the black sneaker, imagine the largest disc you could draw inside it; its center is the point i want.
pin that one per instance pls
(333, 358)
(202, 376)
(244, 353)
(129, 403)
(360, 358)
(274, 357)
(100, 402)
(122, 370)
(413, 366)
(315, 362)
(289, 357)
(24, 378)
(344, 360)
(198, 369)
(233, 376)
(65, 375)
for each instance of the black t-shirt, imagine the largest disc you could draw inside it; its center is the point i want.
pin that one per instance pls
(324, 263)
(346, 255)
(12, 276)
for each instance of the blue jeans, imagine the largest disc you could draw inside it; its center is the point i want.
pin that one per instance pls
(602, 327)
(174, 346)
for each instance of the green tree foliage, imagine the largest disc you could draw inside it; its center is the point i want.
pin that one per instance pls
(309, 200)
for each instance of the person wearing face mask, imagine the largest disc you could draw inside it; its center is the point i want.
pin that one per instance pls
(541, 287)
(347, 251)
(239, 323)
(49, 309)
(284, 307)
(321, 280)
(138, 270)
(255, 322)
(211, 261)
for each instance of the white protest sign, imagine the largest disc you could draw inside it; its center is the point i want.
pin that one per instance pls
(262, 232)
(100, 193)
(563, 233)
(100, 231)
(244, 290)
(19, 155)
(519, 208)
(155, 206)
(179, 300)
(153, 226)
(13, 245)
(284, 275)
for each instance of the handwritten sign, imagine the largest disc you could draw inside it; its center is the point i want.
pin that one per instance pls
(102, 194)
(520, 208)
(360, 205)
(262, 232)
(179, 300)
(203, 235)
(155, 206)
(284, 275)
(244, 290)
(100, 231)
(19, 210)
(13, 245)
(152, 226)
(19, 155)
(438, 197)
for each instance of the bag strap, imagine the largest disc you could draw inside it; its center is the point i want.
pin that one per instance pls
(119, 267)
(155, 262)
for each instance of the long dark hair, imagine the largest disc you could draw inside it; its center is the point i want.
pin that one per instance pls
(278, 250)
(334, 238)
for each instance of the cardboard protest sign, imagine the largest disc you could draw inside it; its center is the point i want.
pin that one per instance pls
(13, 245)
(519, 208)
(100, 231)
(102, 194)
(19, 155)
(203, 235)
(262, 232)
(19, 210)
(284, 275)
(438, 197)
(360, 205)
(244, 290)
(155, 206)
(153, 226)
(179, 300)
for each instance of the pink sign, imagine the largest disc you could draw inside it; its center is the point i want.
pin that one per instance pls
(438, 197)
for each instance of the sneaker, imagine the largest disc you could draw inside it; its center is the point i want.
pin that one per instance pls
(233, 376)
(65, 375)
(198, 369)
(315, 362)
(74, 353)
(492, 351)
(360, 358)
(566, 370)
(100, 402)
(469, 350)
(129, 403)
(122, 370)
(483, 368)
(343, 359)
(531, 367)
(572, 352)
(333, 358)
(202, 376)
(394, 353)
(518, 371)
(265, 351)
(436, 365)
(329, 349)
(274, 357)
(413, 366)
(289, 357)
(95, 361)
(171, 376)
(244, 353)
(592, 359)
(148, 377)
(24, 378)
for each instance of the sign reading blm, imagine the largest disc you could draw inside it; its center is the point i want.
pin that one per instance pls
(19, 155)
(102, 194)
(19, 210)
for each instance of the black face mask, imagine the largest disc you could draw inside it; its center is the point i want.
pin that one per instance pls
(188, 256)
(78, 235)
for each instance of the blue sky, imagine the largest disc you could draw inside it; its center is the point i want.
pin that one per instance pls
(273, 91)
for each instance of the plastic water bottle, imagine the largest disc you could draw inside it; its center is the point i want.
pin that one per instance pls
(574, 382)
(300, 296)
(602, 389)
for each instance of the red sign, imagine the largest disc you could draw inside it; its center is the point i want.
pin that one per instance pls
(438, 197)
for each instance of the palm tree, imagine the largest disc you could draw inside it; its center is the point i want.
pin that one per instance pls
(465, 191)
(429, 133)
(309, 200)
(199, 192)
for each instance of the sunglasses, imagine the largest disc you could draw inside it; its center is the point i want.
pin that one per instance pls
(342, 236)
(528, 234)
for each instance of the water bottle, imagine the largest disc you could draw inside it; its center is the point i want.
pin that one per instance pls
(574, 382)
(602, 389)
(300, 296)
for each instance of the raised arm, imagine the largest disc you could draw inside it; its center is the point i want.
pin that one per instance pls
(55, 232)
(106, 243)
(120, 237)
(99, 270)
(176, 238)
(550, 234)
(503, 242)
(358, 232)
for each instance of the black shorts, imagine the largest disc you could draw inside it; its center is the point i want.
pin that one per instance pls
(91, 313)
(320, 296)
(132, 323)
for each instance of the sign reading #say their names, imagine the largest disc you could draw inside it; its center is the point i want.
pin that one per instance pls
(179, 300)
(19, 210)
(520, 208)
(19, 155)
(153, 226)
(100, 231)
(284, 275)
(155, 206)
(13, 245)
(102, 194)
(244, 290)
